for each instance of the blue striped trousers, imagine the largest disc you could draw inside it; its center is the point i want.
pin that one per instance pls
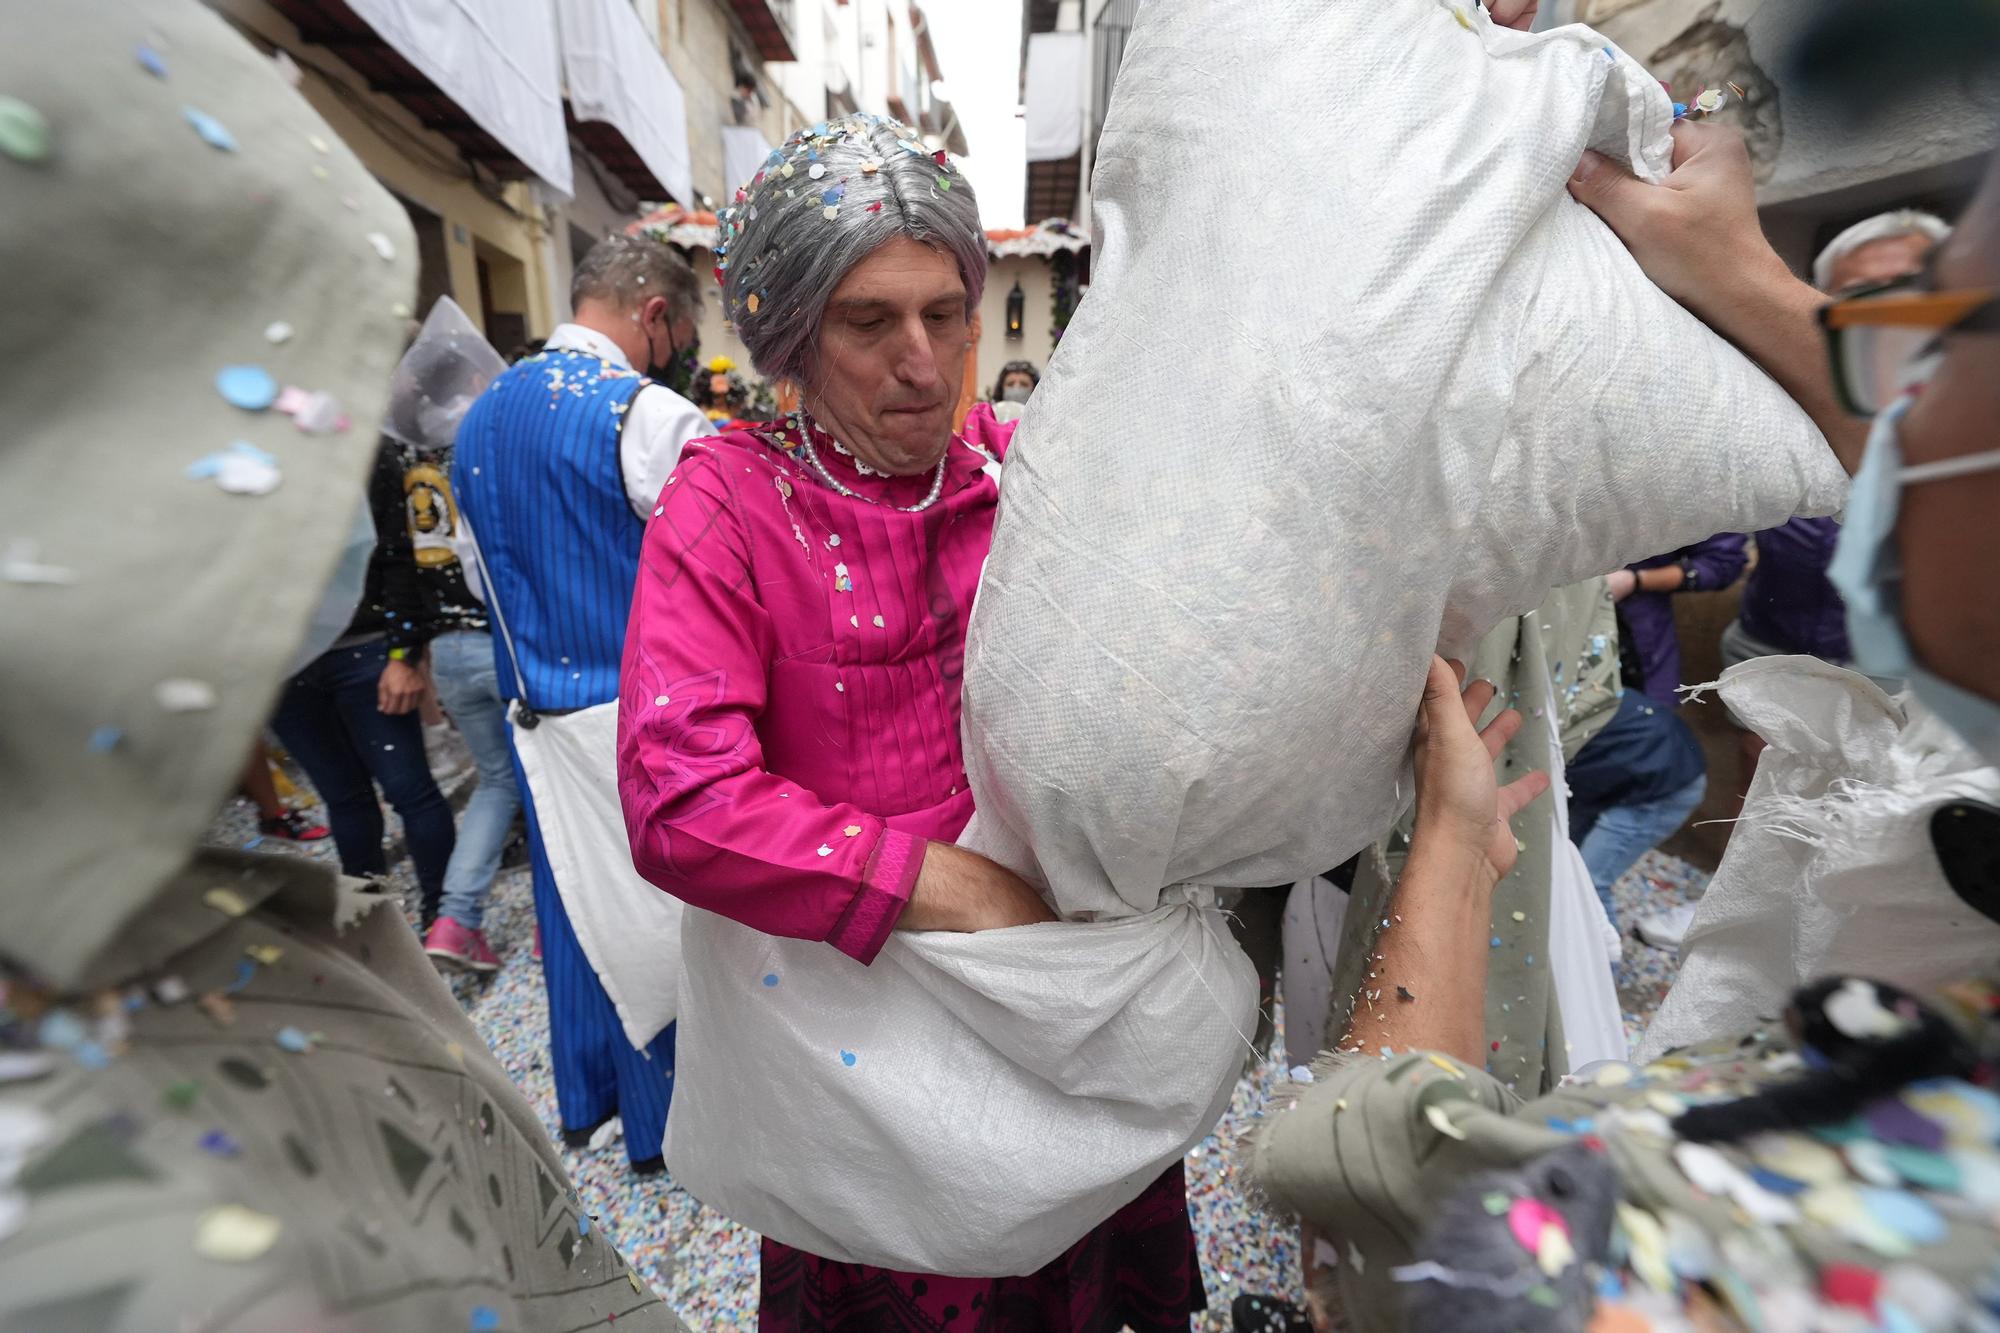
(598, 1074)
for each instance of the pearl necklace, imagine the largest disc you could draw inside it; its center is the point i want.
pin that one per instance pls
(812, 461)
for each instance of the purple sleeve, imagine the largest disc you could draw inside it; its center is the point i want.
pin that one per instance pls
(1717, 562)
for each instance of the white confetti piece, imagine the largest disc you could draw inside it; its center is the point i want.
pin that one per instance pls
(277, 331)
(183, 695)
(233, 1234)
(383, 245)
(21, 565)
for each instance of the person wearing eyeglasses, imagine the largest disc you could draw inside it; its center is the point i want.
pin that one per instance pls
(1745, 1181)
(1789, 606)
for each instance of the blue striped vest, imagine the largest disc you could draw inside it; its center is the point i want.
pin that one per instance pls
(536, 470)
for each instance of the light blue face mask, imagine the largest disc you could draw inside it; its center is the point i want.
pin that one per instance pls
(1867, 568)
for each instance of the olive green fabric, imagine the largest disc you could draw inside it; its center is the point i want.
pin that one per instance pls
(411, 1186)
(1565, 649)
(138, 261)
(1355, 1155)
(184, 1032)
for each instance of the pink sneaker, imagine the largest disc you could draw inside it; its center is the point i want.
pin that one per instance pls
(461, 946)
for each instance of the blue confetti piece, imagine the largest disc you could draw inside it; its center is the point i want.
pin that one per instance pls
(212, 464)
(770, 978)
(1580, 1125)
(150, 60)
(1776, 1183)
(1609, 54)
(245, 971)
(248, 387)
(92, 1056)
(294, 1040)
(220, 1144)
(484, 1319)
(1531, 960)
(254, 843)
(105, 739)
(62, 1030)
(1496, 941)
(212, 131)
(847, 1058)
(1680, 109)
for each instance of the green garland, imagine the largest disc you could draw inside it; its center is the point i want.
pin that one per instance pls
(1065, 289)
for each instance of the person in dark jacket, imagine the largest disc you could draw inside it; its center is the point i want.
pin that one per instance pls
(349, 717)
(1632, 785)
(1645, 596)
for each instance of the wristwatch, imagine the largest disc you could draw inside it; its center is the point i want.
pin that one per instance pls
(1690, 575)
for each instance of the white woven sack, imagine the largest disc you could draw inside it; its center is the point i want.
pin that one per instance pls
(1203, 629)
(967, 1104)
(1830, 870)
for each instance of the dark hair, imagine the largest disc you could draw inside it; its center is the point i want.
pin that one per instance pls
(1016, 368)
(625, 271)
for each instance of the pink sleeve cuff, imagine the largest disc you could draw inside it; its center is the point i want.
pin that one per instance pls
(886, 882)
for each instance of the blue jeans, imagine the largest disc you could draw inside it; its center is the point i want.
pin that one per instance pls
(468, 686)
(328, 720)
(1624, 833)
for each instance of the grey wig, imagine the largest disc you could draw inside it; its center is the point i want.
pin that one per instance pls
(819, 206)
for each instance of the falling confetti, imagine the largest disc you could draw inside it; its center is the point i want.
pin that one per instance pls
(150, 61)
(383, 245)
(277, 331)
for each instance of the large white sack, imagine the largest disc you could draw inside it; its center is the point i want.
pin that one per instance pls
(1203, 629)
(967, 1104)
(629, 930)
(1830, 869)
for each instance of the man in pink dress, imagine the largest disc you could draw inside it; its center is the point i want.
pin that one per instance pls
(789, 751)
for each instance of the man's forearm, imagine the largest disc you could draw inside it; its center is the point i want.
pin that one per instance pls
(1774, 318)
(1426, 983)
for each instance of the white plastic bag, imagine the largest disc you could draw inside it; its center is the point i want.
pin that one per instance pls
(1830, 869)
(630, 930)
(967, 1104)
(1203, 629)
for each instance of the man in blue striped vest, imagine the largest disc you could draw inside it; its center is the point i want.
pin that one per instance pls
(558, 464)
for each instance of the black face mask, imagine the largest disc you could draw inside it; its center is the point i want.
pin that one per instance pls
(678, 365)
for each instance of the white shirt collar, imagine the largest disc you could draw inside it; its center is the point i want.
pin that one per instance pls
(576, 338)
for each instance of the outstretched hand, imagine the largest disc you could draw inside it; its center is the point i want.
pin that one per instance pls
(1459, 801)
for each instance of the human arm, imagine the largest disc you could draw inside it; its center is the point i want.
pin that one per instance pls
(1440, 914)
(407, 600)
(1709, 565)
(658, 425)
(707, 820)
(1696, 235)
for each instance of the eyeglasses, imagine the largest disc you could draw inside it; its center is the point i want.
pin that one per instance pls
(1877, 337)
